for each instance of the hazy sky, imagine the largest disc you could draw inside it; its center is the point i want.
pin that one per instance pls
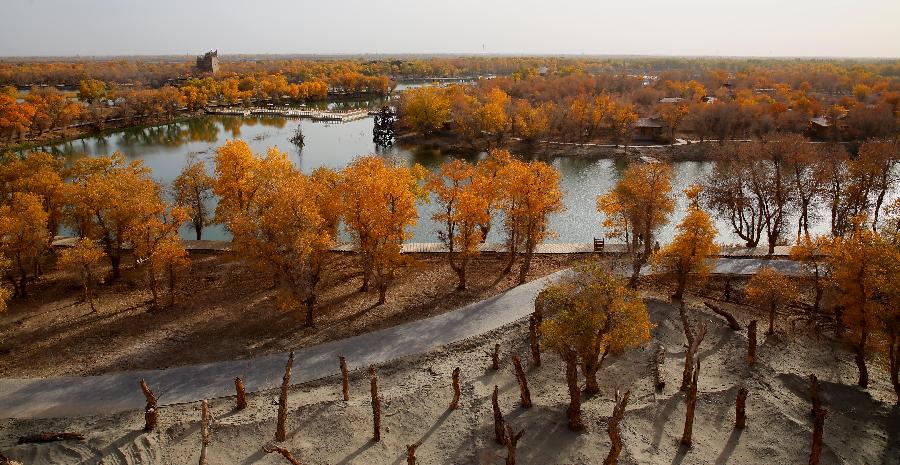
(649, 27)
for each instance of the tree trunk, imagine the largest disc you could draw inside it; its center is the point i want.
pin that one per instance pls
(204, 432)
(771, 329)
(524, 393)
(526, 265)
(241, 400)
(454, 404)
(382, 294)
(691, 405)
(535, 344)
(116, 262)
(281, 430)
(574, 410)
(310, 310)
(693, 345)
(751, 343)
(345, 378)
(740, 409)
(376, 404)
(860, 358)
(88, 295)
(151, 411)
(658, 359)
(512, 439)
(499, 424)
(818, 431)
(814, 394)
(615, 436)
(461, 276)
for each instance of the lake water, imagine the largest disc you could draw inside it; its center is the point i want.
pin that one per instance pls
(165, 148)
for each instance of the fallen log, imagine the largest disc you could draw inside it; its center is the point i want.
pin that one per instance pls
(270, 448)
(732, 322)
(50, 437)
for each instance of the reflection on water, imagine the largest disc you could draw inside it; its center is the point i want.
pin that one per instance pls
(164, 148)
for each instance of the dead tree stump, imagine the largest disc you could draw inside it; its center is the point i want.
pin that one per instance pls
(241, 401)
(740, 408)
(818, 431)
(376, 404)
(535, 343)
(691, 405)
(524, 393)
(411, 453)
(658, 359)
(814, 394)
(499, 424)
(281, 430)
(204, 431)
(512, 439)
(270, 448)
(345, 378)
(151, 411)
(615, 435)
(495, 357)
(454, 404)
(751, 343)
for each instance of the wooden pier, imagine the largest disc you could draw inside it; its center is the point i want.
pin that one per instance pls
(315, 115)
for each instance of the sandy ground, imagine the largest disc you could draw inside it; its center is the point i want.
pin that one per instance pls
(224, 311)
(862, 427)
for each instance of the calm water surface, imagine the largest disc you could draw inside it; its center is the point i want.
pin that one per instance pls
(166, 148)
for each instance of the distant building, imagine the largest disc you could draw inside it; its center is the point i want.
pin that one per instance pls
(648, 128)
(208, 62)
(671, 100)
(543, 70)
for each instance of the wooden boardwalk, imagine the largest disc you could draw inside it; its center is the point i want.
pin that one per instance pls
(315, 115)
(490, 247)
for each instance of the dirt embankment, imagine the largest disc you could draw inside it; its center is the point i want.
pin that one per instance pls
(224, 310)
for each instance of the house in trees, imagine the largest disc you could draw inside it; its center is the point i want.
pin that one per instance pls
(821, 128)
(671, 100)
(208, 62)
(648, 128)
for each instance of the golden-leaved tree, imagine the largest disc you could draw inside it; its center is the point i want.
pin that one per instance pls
(288, 226)
(158, 248)
(107, 199)
(379, 200)
(23, 238)
(424, 109)
(863, 270)
(639, 205)
(462, 208)
(234, 185)
(590, 315)
(83, 259)
(771, 291)
(529, 194)
(690, 250)
(41, 174)
(193, 190)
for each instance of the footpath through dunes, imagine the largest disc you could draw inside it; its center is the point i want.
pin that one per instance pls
(68, 396)
(862, 426)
